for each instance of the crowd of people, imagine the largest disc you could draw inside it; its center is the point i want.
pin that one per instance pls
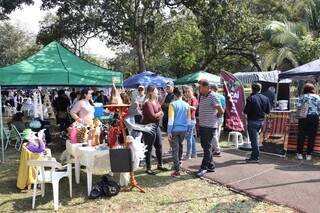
(185, 113)
(180, 111)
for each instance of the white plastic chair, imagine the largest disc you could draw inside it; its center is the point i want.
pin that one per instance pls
(9, 110)
(6, 137)
(17, 135)
(237, 138)
(50, 176)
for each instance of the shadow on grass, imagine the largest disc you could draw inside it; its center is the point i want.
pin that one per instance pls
(195, 199)
(17, 200)
(42, 203)
(159, 180)
(235, 206)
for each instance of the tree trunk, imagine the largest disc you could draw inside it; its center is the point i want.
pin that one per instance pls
(140, 53)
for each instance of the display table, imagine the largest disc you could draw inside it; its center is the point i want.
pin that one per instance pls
(293, 134)
(280, 131)
(90, 157)
(275, 131)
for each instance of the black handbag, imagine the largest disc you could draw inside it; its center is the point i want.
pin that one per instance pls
(121, 160)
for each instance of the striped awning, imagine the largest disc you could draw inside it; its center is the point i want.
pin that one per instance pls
(250, 77)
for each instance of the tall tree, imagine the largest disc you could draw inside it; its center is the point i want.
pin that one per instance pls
(116, 21)
(66, 29)
(228, 28)
(7, 6)
(281, 49)
(15, 44)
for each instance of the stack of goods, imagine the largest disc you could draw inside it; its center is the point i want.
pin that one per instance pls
(79, 133)
(82, 134)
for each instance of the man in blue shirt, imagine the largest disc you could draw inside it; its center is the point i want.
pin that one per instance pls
(179, 122)
(257, 106)
(271, 95)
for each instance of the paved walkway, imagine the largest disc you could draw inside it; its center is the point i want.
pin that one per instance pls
(275, 179)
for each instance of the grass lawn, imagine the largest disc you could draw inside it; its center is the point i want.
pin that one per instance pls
(164, 194)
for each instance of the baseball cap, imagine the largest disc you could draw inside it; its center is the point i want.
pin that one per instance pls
(141, 87)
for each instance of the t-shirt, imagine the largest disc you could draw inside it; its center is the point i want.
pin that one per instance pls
(140, 99)
(149, 110)
(194, 103)
(222, 100)
(208, 111)
(179, 117)
(169, 98)
(85, 111)
(61, 103)
(270, 95)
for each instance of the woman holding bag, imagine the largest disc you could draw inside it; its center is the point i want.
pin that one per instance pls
(308, 111)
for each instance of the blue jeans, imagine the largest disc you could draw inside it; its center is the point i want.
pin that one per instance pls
(191, 141)
(253, 130)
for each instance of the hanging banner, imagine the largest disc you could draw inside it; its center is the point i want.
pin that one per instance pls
(235, 102)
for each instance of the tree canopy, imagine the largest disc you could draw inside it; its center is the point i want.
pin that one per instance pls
(176, 37)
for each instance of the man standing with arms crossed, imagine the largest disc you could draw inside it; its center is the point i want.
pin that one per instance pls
(209, 107)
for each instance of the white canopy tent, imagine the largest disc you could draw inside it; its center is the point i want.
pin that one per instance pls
(268, 76)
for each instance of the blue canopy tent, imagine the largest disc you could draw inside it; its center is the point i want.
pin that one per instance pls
(309, 71)
(146, 78)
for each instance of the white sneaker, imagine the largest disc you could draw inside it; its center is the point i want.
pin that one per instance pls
(308, 157)
(187, 157)
(299, 157)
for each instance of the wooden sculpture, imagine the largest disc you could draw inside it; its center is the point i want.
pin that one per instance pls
(118, 106)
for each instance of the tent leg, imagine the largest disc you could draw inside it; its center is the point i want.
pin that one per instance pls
(1, 126)
(40, 103)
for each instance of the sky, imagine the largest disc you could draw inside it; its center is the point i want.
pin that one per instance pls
(28, 18)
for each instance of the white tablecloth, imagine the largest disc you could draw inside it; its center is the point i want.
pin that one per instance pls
(90, 157)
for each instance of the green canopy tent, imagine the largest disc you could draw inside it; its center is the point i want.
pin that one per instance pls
(196, 77)
(55, 65)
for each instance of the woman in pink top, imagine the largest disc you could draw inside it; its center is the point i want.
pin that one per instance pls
(83, 110)
(191, 136)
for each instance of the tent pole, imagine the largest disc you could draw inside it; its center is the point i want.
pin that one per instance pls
(40, 104)
(277, 92)
(1, 124)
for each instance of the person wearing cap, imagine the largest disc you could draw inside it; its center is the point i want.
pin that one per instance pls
(216, 138)
(165, 104)
(138, 100)
(257, 106)
(179, 122)
(209, 107)
(141, 95)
